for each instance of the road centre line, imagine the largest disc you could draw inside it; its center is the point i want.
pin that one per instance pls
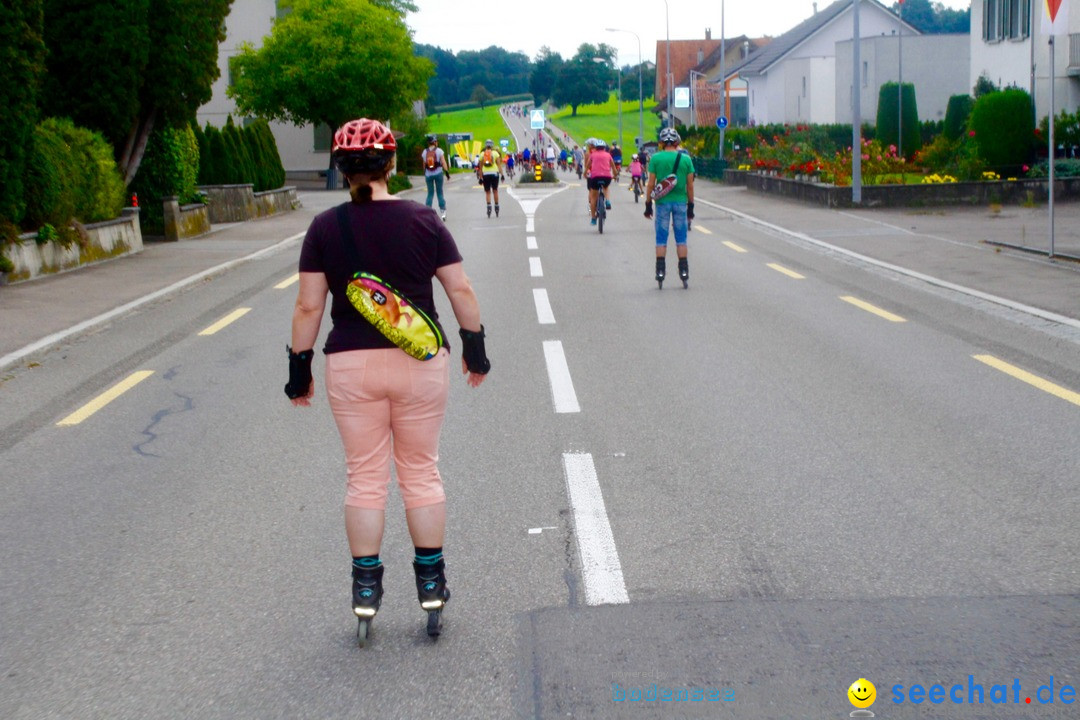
(601, 570)
(735, 247)
(530, 242)
(929, 279)
(562, 385)
(544, 315)
(785, 271)
(702, 228)
(50, 340)
(530, 225)
(1033, 380)
(287, 282)
(225, 321)
(535, 268)
(872, 308)
(105, 398)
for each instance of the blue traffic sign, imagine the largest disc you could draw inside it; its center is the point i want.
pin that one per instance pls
(721, 122)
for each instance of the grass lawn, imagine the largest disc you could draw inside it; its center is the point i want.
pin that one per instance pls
(602, 121)
(483, 123)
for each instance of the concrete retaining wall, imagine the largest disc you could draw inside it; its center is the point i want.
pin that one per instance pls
(102, 241)
(1006, 192)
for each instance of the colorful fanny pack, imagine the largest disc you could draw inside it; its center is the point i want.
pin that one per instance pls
(399, 320)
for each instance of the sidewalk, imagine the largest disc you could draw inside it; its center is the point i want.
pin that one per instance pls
(951, 245)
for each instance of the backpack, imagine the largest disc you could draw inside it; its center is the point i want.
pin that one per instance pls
(431, 160)
(487, 158)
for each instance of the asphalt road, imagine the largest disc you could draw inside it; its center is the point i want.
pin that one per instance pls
(799, 472)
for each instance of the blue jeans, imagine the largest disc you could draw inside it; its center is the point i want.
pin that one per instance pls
(674, 213)
(434, 184)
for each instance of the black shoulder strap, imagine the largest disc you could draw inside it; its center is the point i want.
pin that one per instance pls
(675, 168)
(348, 238)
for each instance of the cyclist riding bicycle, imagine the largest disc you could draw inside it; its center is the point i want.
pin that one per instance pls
(599, 167)
(636, 172)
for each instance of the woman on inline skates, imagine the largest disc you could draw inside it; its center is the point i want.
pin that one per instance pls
(383, 400)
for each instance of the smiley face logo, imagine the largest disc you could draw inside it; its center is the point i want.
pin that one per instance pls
(862, 693)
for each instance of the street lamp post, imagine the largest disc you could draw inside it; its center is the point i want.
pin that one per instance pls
(641, 96)
(668, 78)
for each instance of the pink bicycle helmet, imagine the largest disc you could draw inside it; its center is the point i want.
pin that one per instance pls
(363, 146)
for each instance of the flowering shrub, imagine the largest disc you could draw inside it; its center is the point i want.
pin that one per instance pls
(878, 165)
(935, 178)
(795, 152)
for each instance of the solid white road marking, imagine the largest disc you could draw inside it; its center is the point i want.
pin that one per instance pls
(562, 386)
(600, 567)
(535, 269)
(543, 308)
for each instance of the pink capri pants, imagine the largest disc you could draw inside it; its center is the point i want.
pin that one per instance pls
(383, 399)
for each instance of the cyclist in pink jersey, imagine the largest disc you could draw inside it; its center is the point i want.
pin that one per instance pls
(599, 167)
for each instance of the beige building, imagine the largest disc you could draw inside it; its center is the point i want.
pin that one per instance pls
(304, 150)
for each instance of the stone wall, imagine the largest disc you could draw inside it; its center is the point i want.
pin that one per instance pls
(101, 241)
(1005, 192)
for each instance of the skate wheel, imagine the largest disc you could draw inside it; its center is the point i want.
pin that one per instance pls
(434, 623)
(362, 629)
(686, 284)
(660, 284)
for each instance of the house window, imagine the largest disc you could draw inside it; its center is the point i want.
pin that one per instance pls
(865, 73)
(992, 30)
(1006, 19)
(1019, 18)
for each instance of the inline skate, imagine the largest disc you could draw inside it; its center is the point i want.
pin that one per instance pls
(661, 271)
(684, 272)
(432, 592)
(367, 594)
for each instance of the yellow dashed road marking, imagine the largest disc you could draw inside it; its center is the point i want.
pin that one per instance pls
(872, 308)
(784, 270)
(287, 282)
(231, 317)
(735, 247)
(702, 228)
(1034, 380)
(105, 398)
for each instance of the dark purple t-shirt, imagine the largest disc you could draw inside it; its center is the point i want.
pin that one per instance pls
(400, 241)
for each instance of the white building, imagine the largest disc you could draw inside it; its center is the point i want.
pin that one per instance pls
(303, 149)
(937, 66)
(1009, 46)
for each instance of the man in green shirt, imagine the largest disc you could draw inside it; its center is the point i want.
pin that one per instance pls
(675, 204)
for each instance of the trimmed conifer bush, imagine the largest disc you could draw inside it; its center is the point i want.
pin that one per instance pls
(1004, 131)
(888, 118)
(956, 115)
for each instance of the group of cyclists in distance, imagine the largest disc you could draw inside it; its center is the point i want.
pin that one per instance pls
(601, 165)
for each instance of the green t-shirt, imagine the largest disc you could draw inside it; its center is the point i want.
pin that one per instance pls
(661, 165)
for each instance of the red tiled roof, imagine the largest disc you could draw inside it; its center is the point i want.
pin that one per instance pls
(684, 57)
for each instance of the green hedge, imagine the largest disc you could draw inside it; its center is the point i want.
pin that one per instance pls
(1004, 131)
(170, 166)
(956, 115)
(71, 175)
(888, 117)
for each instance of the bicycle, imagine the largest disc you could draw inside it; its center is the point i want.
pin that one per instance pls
(635, 185)
(601, 207)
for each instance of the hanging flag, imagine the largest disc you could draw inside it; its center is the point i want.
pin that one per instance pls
(1055, 21)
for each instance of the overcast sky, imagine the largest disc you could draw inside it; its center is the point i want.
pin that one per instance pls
(562, 25)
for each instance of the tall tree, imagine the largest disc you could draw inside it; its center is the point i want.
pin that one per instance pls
(586, 78)
(98, 52)
(329, 61)
(169, 68)
(933, 18)
(22, 54)
(545, 73)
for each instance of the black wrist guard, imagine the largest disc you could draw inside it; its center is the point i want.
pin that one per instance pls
(472, 349)
(690, 210)
(648, 208)
(299, 373)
